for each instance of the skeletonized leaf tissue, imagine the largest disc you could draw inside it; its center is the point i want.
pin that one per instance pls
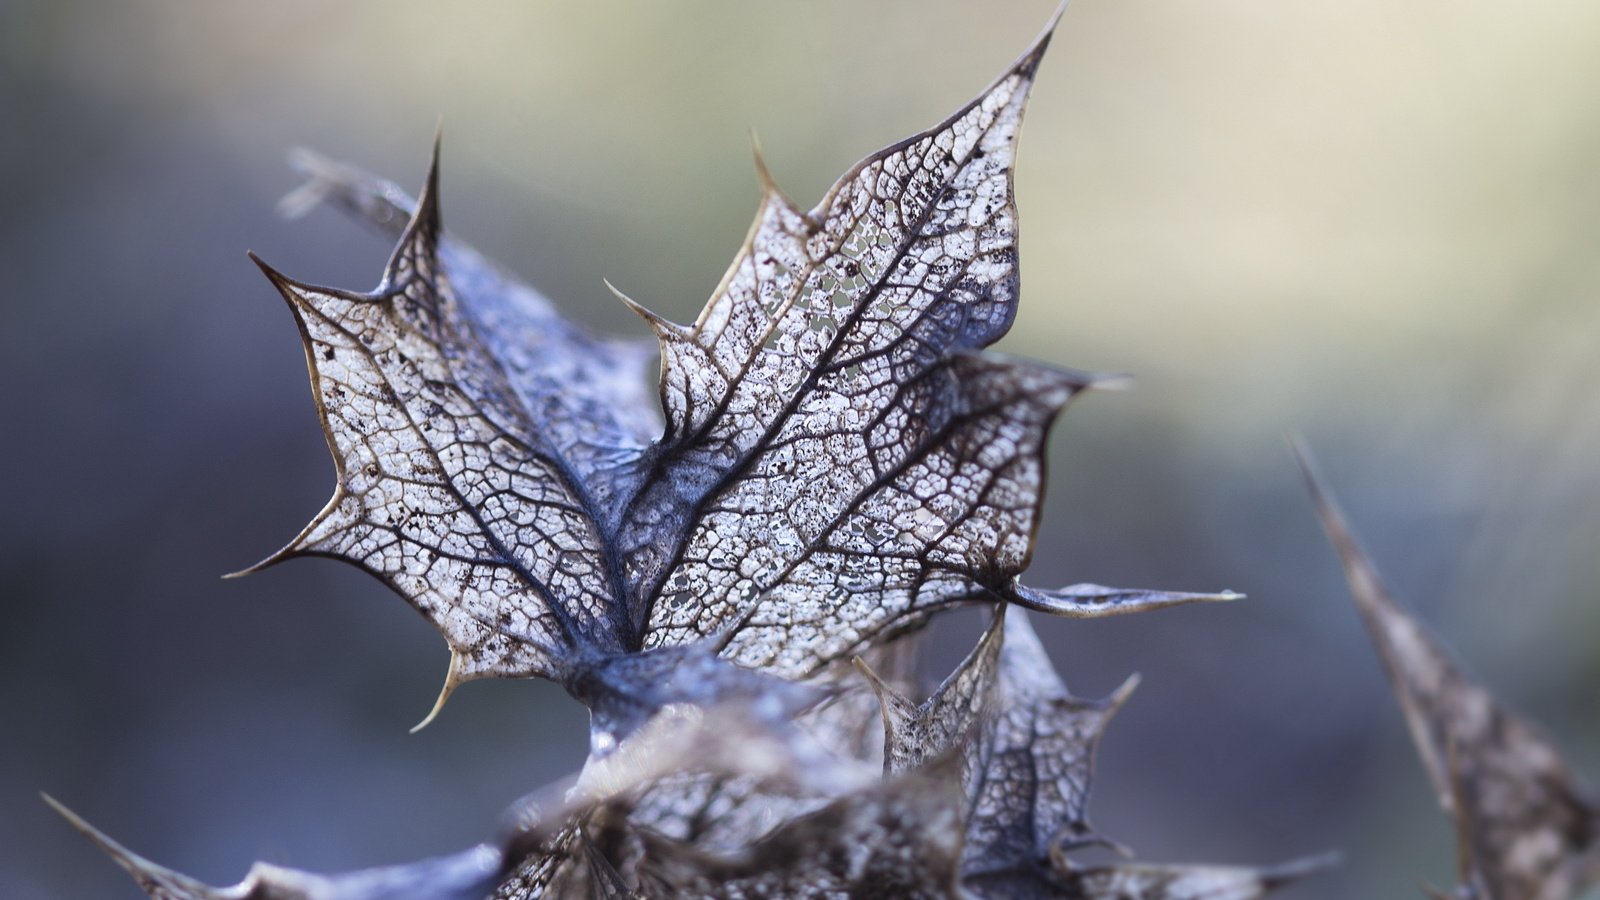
(833, 457)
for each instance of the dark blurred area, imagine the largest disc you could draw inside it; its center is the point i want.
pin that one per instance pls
(1373, 223)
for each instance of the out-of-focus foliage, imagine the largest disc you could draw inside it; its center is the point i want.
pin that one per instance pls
(1525, 825)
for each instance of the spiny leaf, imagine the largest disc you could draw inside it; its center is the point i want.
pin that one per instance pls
(1028, 748)
(465, 875)
(545, 847)
(1027, 744)
(1036, 759)
(916, 733)
(839, 459)
(1524, 825)
(1144, 881)
(450, 486)
(901, 838)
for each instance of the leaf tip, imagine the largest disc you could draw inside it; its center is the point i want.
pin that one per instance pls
(82, 826)
(1029, 61)
(290, 551)
(770, 191)
(1108, 381)
(452, 680)
(1366, 587)
(865, 668)
(1093, 600)
(663, 327)
(293, 291)
(769, 185)
(156, 880)
(426, 218)
(273, 275)
(1125, 690)
(1296, 869)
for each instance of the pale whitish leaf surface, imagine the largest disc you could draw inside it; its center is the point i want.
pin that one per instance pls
(841, 461)
(816, 392)
(547, 844)
(467, 875)
(1524, 825)
(719, 812)
(838, 459)
(448, 486)
(1143, 881)
(899, 838)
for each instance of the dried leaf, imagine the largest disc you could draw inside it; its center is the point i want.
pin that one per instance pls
(1036, 759)
(901, 838)
(1142, 881)
(726, 813)
(1028, 747)
(916, 733)
(1524, 825)
(1027, 743)
(569, 865)
(467, 875)
(838, 460)
(546, 848)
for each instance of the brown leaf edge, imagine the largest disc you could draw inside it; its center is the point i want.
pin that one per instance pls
(1525, 827)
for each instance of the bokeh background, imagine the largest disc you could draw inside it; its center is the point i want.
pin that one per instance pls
(1373, 222)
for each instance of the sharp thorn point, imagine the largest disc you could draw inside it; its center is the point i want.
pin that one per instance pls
(452, 680)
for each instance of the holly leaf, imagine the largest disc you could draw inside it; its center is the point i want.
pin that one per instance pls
(836, 456)
(467, 875)
(547, 843)
(1026, 742)
(725, 812)
(839, 458)
(1036, 759)
(1525, 827)
(1027, 746)
(900, 838)
(1144, 881)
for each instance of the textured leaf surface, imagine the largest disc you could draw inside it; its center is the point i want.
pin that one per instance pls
(1142, 881)
(835, 466)
(901, 838)
(463, 876)
(1524, 825)
(1028, 746)
(1035, 759)
(839, 458)
(449, 487)
(836, 458)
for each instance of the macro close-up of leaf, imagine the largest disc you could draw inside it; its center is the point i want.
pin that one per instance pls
(771, 584)
(839, 460)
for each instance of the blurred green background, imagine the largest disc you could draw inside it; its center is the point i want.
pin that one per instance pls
(1373, 222)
